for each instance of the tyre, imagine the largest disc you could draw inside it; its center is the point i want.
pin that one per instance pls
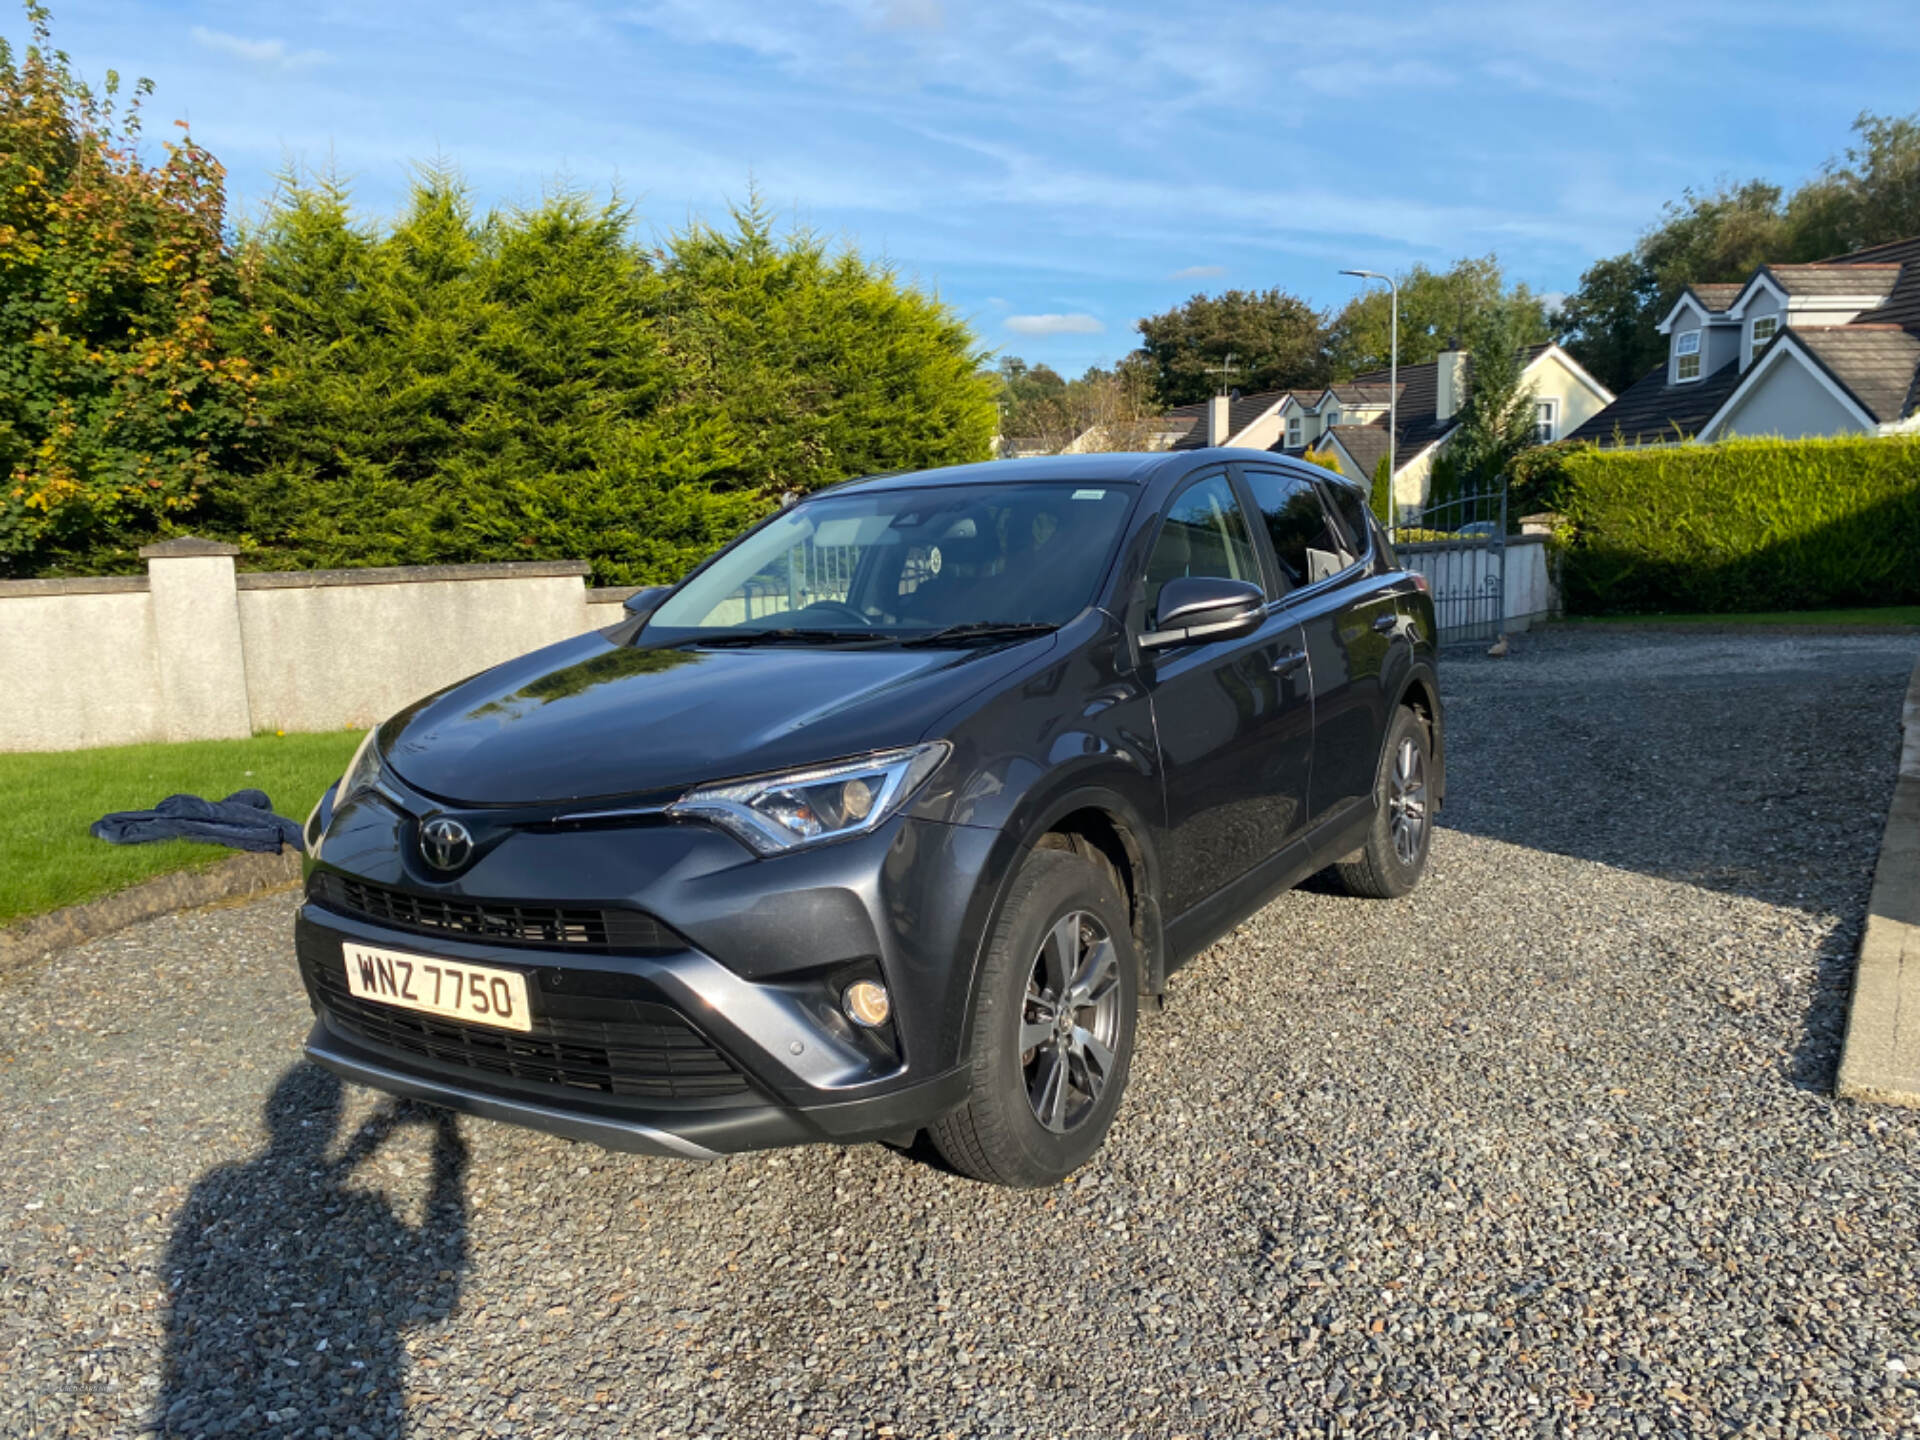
(1053, 1027)
(1395, 856)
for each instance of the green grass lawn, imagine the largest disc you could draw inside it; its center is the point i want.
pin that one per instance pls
(47, 858)
(1884, 615)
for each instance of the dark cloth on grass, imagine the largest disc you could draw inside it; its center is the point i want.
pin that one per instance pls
(244, 820)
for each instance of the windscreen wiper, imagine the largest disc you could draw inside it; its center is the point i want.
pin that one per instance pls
(784, 635)
(982, 630)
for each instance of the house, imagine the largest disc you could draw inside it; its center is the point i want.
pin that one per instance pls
(1831, 348)
(1431, 396)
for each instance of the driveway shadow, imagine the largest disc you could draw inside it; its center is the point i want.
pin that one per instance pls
(291, 1290)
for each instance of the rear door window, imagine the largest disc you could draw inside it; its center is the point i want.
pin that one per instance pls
(1308, 544)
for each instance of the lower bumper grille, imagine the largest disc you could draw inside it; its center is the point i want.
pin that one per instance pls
(647, 1052)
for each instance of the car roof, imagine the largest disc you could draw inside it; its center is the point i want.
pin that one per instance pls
(1114, 467)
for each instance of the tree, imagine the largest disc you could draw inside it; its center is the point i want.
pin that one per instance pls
(1103, 410)
(117, 405)
(1872, 198)
(1275, 340)
(1436, 307)
(823, 364)
(532, 384)
(1496, 423)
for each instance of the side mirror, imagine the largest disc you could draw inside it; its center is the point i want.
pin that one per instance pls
(641, 603)
(1204, 607)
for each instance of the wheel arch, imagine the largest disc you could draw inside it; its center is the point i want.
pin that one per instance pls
(1419, 691)
(1103, 825)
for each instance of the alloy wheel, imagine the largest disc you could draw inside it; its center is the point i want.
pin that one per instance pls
(1407, 801)
(1070, 1021)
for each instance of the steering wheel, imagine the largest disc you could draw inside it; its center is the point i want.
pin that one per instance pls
(839, 608)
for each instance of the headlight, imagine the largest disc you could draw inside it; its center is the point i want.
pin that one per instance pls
(805, 807)
(362, 770)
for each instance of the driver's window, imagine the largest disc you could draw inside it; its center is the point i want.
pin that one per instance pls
(1204, 533)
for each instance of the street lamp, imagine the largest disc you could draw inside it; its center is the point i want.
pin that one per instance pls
(1393, 382)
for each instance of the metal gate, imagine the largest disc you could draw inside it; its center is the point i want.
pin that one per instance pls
(1460, 545)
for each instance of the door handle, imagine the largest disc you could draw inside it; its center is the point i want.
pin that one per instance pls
(1383, 623)
(1288, 661)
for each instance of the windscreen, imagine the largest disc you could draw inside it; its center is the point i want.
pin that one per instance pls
(912, 561)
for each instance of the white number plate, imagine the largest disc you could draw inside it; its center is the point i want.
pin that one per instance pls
(477, 994)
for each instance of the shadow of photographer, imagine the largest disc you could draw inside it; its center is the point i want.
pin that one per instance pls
(291, 1290)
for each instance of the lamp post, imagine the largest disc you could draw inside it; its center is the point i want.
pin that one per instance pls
(1393, 384)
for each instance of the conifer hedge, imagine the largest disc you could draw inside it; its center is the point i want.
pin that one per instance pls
(1737, 525)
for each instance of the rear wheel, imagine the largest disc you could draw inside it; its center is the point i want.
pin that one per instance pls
(1395, 856)
(1053, 1028)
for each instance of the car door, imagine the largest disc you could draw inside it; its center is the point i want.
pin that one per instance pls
(1233, 717)
(1349, 625)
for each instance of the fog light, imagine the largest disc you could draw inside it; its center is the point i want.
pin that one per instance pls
(867, 1003)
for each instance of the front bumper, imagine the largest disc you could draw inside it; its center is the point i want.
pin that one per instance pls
(667, 1054)
(714, 1030)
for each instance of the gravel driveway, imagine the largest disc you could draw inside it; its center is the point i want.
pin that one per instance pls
(1547, 1148)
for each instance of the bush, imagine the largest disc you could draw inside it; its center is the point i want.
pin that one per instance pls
(117, 404)
(1738, 525)
(534, 385)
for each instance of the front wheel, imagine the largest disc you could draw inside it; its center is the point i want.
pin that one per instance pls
(1395, 856)
(1053, 1028)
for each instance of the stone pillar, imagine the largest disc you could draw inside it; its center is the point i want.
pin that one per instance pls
(196, 623)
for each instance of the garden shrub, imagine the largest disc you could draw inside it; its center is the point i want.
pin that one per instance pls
(1759, 524)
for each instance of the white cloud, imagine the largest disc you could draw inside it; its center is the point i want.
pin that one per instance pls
(911, 15)
(1199, 272)
(255, 52)
(1054, 325)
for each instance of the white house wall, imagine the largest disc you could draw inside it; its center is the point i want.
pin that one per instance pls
(1262, 434)
(1552, 380)
(1789, 401)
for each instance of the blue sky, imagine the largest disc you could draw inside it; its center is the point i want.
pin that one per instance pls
(1055, 170)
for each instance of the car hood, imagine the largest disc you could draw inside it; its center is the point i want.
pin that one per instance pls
(589, 719)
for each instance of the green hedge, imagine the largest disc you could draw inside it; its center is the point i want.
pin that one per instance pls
(1739, 525)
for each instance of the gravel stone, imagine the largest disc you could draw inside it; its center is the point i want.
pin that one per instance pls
(1546, 1149)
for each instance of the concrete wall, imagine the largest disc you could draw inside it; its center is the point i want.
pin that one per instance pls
(350, 647)
(1787, 400)
(77, 664)
(193, 651)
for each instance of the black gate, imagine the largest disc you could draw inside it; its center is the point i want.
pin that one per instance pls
(1460, 545)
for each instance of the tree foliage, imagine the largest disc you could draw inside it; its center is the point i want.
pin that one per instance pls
(1103, 410)
(117, 402)
(532, 384)
(448, 386)
(1276, 341)
(1496, 422)
(1758, 524)
(1436, 306)
(1868, 196)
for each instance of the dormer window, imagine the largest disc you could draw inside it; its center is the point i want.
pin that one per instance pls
(1686, 350)
(1293, 432)
(1763, 328)
(1333, 418)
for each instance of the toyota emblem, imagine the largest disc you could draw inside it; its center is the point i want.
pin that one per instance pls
(445, 844)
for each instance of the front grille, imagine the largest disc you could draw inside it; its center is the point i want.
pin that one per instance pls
(643, 1051)
(498, 922)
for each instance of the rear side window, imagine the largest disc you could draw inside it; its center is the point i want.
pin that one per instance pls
(1308, 545)
(1351, 506)
(1205, 534)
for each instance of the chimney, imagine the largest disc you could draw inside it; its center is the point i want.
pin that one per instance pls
(1217, 419)
(1450, 390)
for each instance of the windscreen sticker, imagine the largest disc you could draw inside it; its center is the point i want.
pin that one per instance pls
(933, 560)
(1089, 494)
